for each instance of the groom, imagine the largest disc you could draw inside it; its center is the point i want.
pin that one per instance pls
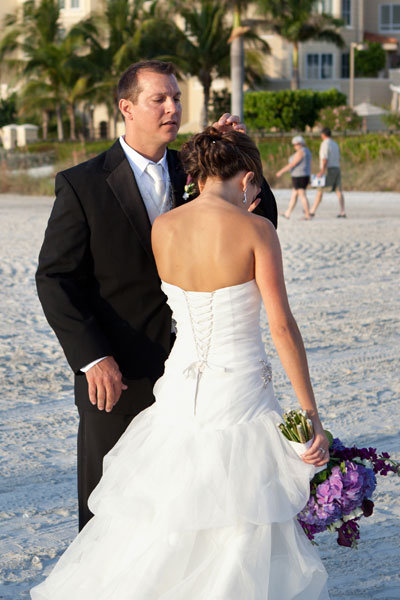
(97, 279)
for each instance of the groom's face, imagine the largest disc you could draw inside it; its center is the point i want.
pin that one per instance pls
(157, 111)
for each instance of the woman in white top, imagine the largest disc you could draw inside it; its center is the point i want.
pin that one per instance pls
(299, 166)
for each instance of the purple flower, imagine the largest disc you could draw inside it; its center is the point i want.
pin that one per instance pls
(336, 445)
(331, 489)
(367, 507)
(348, 534)
(344, 486)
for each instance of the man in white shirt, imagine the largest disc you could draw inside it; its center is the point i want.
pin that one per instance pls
(97, 279)
(329, 156)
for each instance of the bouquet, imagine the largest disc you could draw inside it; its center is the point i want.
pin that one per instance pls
(341, 493)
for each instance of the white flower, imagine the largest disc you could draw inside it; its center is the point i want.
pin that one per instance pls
(357, 512)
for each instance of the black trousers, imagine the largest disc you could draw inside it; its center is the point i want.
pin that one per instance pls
(98, 432)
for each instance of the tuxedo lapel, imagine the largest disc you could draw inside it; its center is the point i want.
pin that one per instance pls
(177, 177)
(123, 184)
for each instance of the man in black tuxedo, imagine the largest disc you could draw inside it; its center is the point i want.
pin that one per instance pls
(97, 279)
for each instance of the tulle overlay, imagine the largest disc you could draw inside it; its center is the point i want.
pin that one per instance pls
(198, 498)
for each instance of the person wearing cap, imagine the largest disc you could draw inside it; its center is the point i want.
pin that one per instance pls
(329, 157)
(299, 166)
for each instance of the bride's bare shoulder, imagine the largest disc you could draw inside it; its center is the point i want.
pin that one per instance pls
(263, 228)
(165, 220)
(165, 227)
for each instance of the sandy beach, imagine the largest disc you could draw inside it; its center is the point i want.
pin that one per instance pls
(343, 282)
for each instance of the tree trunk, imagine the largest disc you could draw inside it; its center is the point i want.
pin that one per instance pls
(60, 129)
(237, 69)
(295, 82)
(206, 83)
(45, 124)
(91, 122)
(71, 116)
(237, 76)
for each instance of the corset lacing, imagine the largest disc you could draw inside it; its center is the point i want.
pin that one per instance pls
(201, 316)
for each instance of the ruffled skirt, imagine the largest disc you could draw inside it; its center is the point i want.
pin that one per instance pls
(186, 510)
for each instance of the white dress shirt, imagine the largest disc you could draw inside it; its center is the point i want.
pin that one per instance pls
(145, 182)
(146, 185)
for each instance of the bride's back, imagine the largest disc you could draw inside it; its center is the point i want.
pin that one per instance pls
(205, 245)
(208, 243)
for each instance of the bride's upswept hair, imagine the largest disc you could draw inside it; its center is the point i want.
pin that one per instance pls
(215, 154)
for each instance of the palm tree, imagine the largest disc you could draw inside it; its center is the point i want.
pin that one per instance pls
(202, 48)
(36, 98)
(204, 51)
(126, 32)
(241, 30)
(50, 62)
(296, 21)
(60, 78)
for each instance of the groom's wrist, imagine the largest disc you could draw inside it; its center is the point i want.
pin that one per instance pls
(86, 368)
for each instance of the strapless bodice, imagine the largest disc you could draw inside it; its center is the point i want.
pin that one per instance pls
(219, 327)
(218, 333)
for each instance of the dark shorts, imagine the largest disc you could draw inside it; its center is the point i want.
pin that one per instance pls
(333, 179)
(300, 183)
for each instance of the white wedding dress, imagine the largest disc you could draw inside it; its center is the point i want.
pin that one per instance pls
(198, 499)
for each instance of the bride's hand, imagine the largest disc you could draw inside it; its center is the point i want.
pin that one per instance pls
(318, 453)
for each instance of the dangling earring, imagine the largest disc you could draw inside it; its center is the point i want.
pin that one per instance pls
(245, 196)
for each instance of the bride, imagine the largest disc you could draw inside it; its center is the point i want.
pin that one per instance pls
(199, 497)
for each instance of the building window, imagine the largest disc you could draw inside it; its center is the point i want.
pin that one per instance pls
(346, 12)
(345, 70)
(390, 17)
(319, 66)
(75, 3)
(324, 6)
(326, 66)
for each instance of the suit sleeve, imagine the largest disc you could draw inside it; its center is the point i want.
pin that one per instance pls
(267, 207)
(64, 280)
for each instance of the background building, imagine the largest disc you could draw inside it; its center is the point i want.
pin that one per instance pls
(321, 65)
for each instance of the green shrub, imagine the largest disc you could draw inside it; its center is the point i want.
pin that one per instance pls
(392, 120)
(369, 62)
(340, 118)
(8, 110)
(373, 146)
(220, 103)
(288, 109)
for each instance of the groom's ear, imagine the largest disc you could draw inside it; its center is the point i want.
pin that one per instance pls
(126, 108)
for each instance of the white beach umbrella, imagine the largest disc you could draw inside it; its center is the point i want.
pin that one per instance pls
(367, 110)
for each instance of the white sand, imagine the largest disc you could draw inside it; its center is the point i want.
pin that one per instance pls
(343, 282)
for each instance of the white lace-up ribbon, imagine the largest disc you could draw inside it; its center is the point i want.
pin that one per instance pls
(201, 314)
(199, 366)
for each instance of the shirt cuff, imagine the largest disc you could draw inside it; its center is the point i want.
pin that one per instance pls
(90, 365)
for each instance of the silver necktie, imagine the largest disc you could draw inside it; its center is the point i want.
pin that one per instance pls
(160, 189)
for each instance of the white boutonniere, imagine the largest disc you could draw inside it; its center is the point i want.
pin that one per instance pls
(190, 188)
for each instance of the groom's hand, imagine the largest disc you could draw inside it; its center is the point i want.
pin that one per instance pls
(105, 384)
(228, 122)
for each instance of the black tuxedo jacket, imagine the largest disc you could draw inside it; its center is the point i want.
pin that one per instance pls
(97, 279)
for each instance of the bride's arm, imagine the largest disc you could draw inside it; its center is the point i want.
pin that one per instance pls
(284, 331)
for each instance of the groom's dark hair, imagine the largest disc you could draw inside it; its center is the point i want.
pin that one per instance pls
(128, 87)
(212, 153)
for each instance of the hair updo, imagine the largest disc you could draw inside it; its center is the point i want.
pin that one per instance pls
(215, 154)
